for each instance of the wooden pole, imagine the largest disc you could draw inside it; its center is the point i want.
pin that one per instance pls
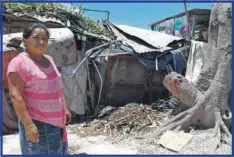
(187, 17)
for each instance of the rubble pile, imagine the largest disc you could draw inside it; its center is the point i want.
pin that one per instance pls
(128, 120)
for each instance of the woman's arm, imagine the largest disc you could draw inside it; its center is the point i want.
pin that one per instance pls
(16, 86)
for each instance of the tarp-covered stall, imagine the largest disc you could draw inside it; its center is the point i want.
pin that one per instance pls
(130, 69)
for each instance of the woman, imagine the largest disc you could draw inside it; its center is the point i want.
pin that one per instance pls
(36, 91)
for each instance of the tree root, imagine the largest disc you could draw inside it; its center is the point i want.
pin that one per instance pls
(220, 125)
(187, 118)
(207, 99)
(220, 128)
(182, 120)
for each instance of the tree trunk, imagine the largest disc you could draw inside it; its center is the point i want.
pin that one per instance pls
(207, 101)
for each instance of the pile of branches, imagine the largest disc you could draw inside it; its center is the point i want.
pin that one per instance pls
(66, 15)
(127, 120)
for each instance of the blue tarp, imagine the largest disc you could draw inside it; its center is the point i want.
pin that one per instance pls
(174, 58)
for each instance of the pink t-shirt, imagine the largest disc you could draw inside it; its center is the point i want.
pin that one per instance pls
(43, 91)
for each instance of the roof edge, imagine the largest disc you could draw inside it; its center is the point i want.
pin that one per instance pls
(176, 15)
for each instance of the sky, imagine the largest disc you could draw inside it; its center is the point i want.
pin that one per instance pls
(138, 14)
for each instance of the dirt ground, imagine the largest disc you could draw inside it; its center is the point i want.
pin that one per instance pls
(118, 132)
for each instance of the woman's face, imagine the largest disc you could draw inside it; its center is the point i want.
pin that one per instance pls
(37, 43)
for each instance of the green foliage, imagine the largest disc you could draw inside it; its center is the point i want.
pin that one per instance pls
(58, 11)
(91, 25)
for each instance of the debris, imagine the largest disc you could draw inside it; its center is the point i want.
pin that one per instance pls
(169, 103)
(106, 111)
(14, 42)
(84, 124)
(174, 140)
(134, 120)
(132, 104)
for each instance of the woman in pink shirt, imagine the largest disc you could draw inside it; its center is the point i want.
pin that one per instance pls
(36, 90)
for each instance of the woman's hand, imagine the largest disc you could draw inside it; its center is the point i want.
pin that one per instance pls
(31, 132)
(68, 115)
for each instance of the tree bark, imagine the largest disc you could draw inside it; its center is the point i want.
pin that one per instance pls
(207, 101)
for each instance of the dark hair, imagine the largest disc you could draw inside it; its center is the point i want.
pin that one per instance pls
(28, 31)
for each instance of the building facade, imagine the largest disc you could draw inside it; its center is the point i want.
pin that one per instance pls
(177, 24)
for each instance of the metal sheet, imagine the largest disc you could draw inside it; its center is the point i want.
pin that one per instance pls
(139, 48)
(153, 41)
(156, 39)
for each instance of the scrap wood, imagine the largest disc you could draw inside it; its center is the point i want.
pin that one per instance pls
(150, 119)
(110, 129)
(125, 120)
(146, 124)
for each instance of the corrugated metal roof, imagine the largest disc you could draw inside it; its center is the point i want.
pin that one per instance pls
(152, 41)
(139, 48)
(156, 39)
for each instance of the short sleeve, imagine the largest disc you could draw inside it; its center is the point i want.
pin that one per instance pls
(17, 65)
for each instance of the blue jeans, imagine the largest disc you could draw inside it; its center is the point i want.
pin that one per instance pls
(51, 140)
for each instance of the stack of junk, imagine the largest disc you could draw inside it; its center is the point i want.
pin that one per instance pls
(128, 67)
